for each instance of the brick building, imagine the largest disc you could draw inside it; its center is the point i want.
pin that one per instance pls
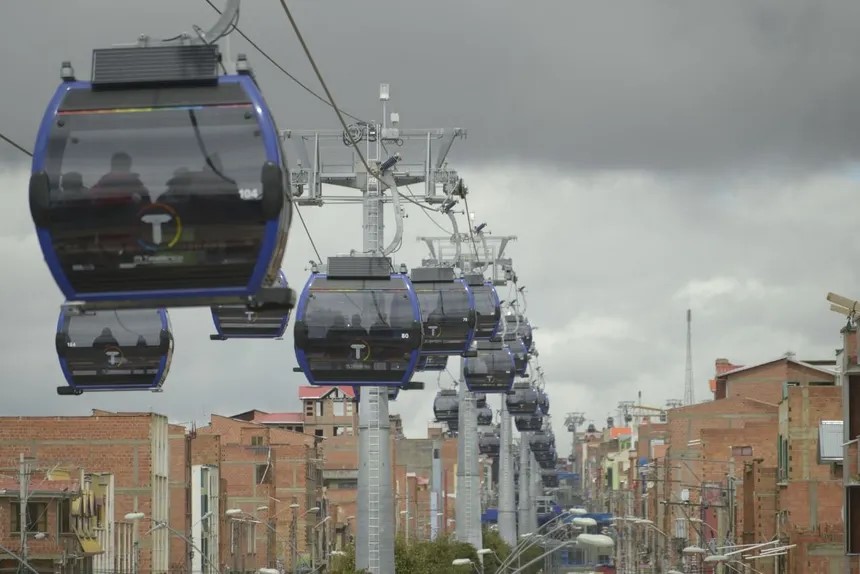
(810, 493)
(132, 447)
(263, 472)
(720, 477)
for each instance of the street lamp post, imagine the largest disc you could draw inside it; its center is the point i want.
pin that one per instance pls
(136, 516)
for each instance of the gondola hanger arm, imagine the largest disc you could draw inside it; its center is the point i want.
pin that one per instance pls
(231, 9)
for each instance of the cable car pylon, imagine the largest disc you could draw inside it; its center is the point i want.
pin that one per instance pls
(375, 513)
(477, 253)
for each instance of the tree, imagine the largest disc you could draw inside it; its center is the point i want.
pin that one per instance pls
(417, 557)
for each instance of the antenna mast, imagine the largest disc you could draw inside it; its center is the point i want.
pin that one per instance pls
(689, 396)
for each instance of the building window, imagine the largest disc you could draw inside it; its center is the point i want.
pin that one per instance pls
(742, 451)
(337, 408)
(37, 516)
(319, 407)
(349, 407)
(263, 474)
(782, 459)
(256, 441)
(309, 408)
(319, 432)
(64, 516)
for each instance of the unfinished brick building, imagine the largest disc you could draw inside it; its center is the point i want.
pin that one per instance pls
(133, 447)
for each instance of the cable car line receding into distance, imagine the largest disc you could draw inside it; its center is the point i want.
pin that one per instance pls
(238, 190)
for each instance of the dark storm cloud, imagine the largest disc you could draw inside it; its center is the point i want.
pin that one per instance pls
(549, 93)
(648, 84)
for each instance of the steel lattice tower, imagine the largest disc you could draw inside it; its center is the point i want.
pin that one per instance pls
(689, 395)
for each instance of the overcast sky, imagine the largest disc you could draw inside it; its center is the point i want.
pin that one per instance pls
(649, 156)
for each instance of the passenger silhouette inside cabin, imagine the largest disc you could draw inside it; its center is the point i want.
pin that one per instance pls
(179, 187)
(106, 339)
(120, 186)
(356, 329)
(141, 341)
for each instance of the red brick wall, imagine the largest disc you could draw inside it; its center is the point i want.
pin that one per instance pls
(799, 418)
(765, 383)
(686, 423)
(118, 444)
(719, 461)
(178, 484)
(292, 458)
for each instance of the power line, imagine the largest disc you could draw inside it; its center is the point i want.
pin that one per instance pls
(325, 88)
(280, 67)
(16, 145)
(307, 231)
(337, 110)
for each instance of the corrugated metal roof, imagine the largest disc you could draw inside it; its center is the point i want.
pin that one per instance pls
(830, 442)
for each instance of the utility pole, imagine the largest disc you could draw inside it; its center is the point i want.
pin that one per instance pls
(24, 496)
(375, 513)
(294, 541)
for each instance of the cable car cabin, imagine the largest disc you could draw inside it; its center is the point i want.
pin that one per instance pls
(523, 401)
(549, 478)
(432, 363)
(520, 325)
(489, 444)
(480, 399)
(446, 405)
(447, 310)
(160, 183)
(541, 441)
(549, 454)
(488, 308)
(242, 322)
(528, 423)
(120, 350)
(520, 355)
(485, 416)
(492, 370)
(359, 324)
(543, 401)
(549, 460)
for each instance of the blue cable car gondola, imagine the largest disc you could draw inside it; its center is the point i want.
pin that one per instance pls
(432, 363)
(519, 352)
(523, 329)
(541, 441)
(492, 370)
(161, 183)
(543, 402)
(358, 324)
(549, 478)
(528, 423)
(447, 310)
(523, 400)
(488, 308)
(446, 405)
(129, 349)
(485, 416)
(489, 443)
(480, 399)
(241, 322)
